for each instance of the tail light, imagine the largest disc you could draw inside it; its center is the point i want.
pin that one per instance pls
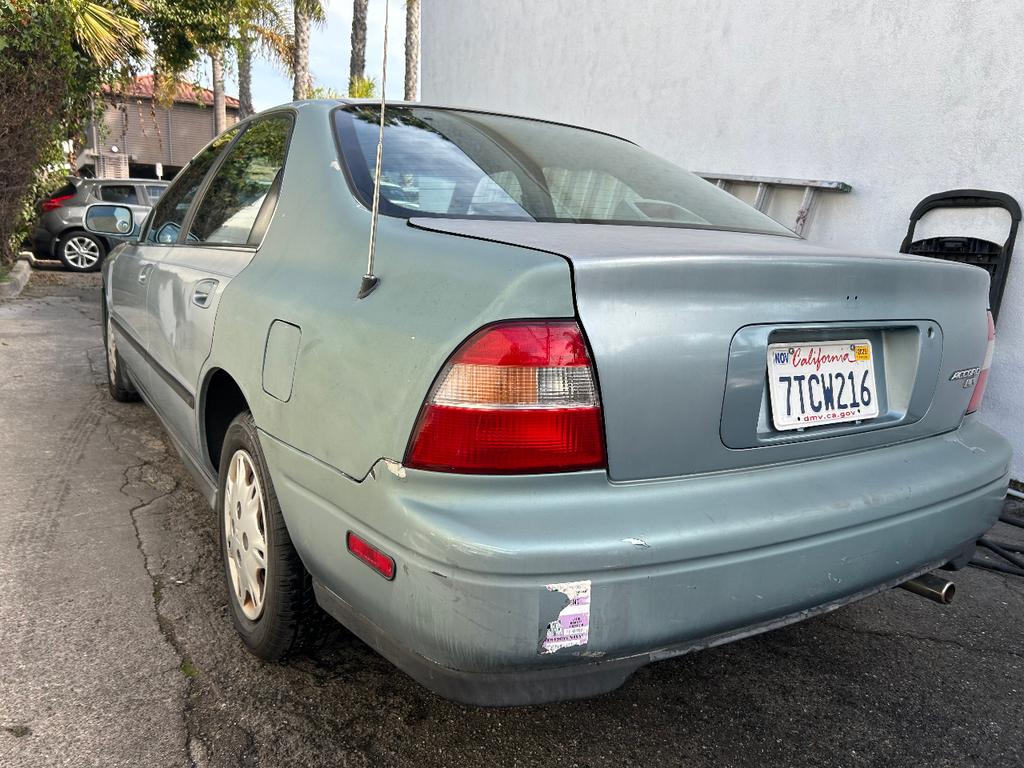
(54, 203)
(517, 397)
(979, 387)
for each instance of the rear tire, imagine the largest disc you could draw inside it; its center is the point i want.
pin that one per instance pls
(270, 593)
(118, 383)
(81, 251)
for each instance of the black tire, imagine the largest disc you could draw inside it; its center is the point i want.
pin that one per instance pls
(73, 246)
(118, 383)
(289, 607)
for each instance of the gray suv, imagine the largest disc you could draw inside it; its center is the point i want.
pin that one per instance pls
(59, 231)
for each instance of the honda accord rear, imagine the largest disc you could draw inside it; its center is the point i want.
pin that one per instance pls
(589, 412)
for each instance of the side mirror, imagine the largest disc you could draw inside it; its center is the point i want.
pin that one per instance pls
(115, 220)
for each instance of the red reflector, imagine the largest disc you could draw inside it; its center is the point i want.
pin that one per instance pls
(54, 203)
(370, 555)
(979, 386)
(517, 397)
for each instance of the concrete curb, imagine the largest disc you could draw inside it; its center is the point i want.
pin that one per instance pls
(19, 275)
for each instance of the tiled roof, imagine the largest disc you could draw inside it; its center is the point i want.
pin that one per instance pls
(189, 93)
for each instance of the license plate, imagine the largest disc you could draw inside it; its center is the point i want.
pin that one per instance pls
(817, 383)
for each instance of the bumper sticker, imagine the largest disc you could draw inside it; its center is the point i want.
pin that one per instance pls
(572, 625)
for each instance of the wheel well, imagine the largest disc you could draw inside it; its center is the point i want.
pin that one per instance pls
(75, 229)
(223, 401)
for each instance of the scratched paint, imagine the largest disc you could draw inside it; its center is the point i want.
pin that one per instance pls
(572, 625)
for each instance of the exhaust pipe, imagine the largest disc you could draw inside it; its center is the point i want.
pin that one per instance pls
(933, 587)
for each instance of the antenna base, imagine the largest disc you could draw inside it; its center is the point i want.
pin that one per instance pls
(367, 285)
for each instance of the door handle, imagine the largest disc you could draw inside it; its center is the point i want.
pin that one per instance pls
(202, 294)
(144, 273)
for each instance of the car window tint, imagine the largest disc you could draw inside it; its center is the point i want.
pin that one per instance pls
(236, 193)
(154, 192)
(169, 214)
(125, 194)
(67, 190)
(458, 164)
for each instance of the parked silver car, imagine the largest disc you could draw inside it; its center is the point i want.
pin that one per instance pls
(596, 412)
(59, 231)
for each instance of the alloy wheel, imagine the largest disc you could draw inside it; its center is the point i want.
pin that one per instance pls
(81, 252)
(245, 534)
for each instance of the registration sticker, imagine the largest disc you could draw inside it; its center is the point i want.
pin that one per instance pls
(862, 351)
(572, 625)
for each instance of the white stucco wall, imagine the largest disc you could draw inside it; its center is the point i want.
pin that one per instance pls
(899, 99)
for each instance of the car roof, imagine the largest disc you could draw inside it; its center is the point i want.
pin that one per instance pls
(127, 181)
(328, 105)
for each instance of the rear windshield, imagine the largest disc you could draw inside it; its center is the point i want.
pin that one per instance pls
(453, 164)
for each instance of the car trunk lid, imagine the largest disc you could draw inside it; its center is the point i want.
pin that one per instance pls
(680, 322)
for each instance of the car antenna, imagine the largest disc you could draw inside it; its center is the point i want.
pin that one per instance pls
(370, 280)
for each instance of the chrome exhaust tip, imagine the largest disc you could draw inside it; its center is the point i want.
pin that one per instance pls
(935, 588)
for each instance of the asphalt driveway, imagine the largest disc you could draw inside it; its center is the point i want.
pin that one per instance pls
(116, 647)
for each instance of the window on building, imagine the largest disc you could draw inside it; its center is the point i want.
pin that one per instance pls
(169, 214)
(124, 194)
(239, 189)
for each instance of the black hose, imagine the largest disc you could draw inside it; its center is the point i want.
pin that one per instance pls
(1006, 555)
(989, 566)
(1009, 546)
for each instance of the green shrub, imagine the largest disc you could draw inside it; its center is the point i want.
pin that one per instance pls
(48, 87)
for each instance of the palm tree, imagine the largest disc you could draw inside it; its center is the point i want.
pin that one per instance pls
(220, 114)
(262, 22)
(243, 51)
(107, 36)
(262, 25)
(357, 62)
(306, 12)
(412, 48)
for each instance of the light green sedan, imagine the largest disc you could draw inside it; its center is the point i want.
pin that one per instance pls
(589, 411)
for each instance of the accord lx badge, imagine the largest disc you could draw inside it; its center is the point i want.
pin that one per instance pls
(966, 373)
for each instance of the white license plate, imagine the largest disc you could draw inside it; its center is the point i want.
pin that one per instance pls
(817, 383)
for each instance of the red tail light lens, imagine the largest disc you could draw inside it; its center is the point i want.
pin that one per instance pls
(54, 203)
(517, 397)
(979, 387)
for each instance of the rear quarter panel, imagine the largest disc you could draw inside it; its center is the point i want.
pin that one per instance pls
(363, 367)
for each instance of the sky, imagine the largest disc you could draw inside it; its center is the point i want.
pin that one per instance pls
(329, 51)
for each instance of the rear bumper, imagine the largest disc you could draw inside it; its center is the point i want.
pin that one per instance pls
(673, 565)
(42, 243)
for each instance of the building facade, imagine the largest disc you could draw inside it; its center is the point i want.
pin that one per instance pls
(139, 138)
(898, 100)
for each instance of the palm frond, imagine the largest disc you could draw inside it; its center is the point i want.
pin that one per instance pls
(314, 9)
(274, 44)
(107, 36)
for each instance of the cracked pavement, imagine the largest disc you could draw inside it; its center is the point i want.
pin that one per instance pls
(116, 647)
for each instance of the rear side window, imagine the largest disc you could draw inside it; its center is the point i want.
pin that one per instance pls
(239, 189)
(169, 214)
(125, 194)
(154, 192)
